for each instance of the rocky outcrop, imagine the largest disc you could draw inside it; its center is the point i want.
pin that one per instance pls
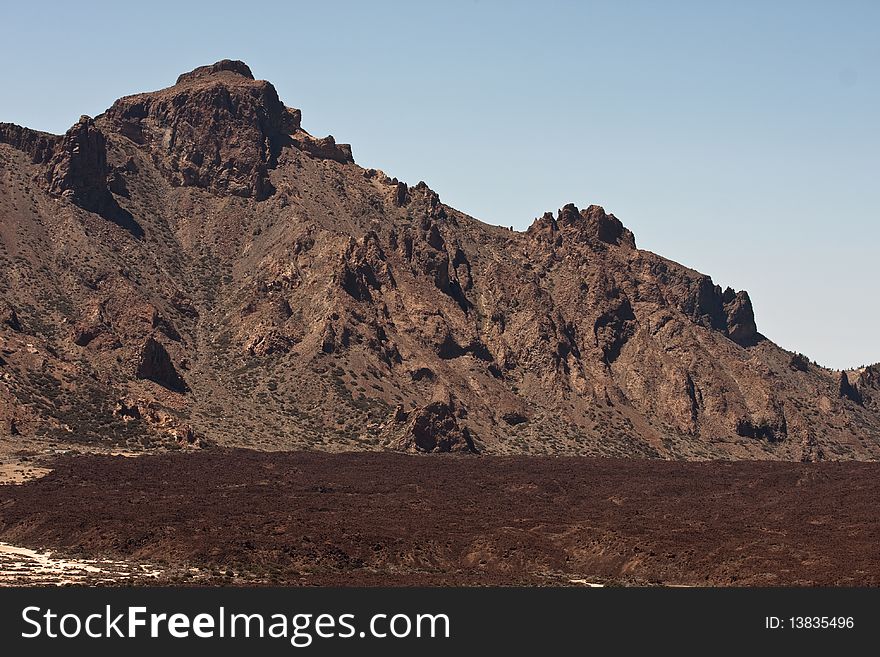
(155, 364)
(605, 228)
(8, 317)
(846, 390)
(235, 66)
(612, 329)
(324, 148)
(799, 362)
(40, 146)
(591, 225)
(740, 317)
(364, 268)
(83, 336)
(159, 421)
(729, 312)
(868, 386)
(435, 428)
(75, 168)
(217, 129)
(401, 194)
(762, 429)
(79, 169)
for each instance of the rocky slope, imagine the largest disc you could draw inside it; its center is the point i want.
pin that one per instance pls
(192, 267)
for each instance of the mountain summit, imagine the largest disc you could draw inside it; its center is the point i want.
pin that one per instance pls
(192, 267)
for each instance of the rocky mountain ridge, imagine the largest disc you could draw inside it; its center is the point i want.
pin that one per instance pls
(193, 267)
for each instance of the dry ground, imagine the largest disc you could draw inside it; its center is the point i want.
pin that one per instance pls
(245, 517)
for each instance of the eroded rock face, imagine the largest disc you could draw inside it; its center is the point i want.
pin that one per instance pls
(591, 225)
(605, 227)
(729, 312)
(364, 268)
(40, 146)
(324, 148)
(76, 168)
(868, 385)
(305, 316)
(232, 65)
(740, 316)
(846, 390)
(435, 428)
(158, 420)
(76, 163)
(219, 129)
(79, 170)
(155, 364)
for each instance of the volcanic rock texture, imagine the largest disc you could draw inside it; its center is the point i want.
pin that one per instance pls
(192, 267)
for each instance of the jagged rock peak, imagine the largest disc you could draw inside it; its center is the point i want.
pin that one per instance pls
(230, 65)
(218, 129)
(79, 169)
(590, 224)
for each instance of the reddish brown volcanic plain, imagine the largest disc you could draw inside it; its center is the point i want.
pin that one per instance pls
(313, 518)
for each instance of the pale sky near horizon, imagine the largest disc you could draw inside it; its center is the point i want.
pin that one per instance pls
(738, 138)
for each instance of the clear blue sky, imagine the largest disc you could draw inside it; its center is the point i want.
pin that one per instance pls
(739, 138)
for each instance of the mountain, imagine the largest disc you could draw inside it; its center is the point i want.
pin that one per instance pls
(193, 268)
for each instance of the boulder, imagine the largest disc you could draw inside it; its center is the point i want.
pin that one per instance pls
(435, 428)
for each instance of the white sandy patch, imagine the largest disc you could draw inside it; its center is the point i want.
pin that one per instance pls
(583, 582)
(20, 565)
